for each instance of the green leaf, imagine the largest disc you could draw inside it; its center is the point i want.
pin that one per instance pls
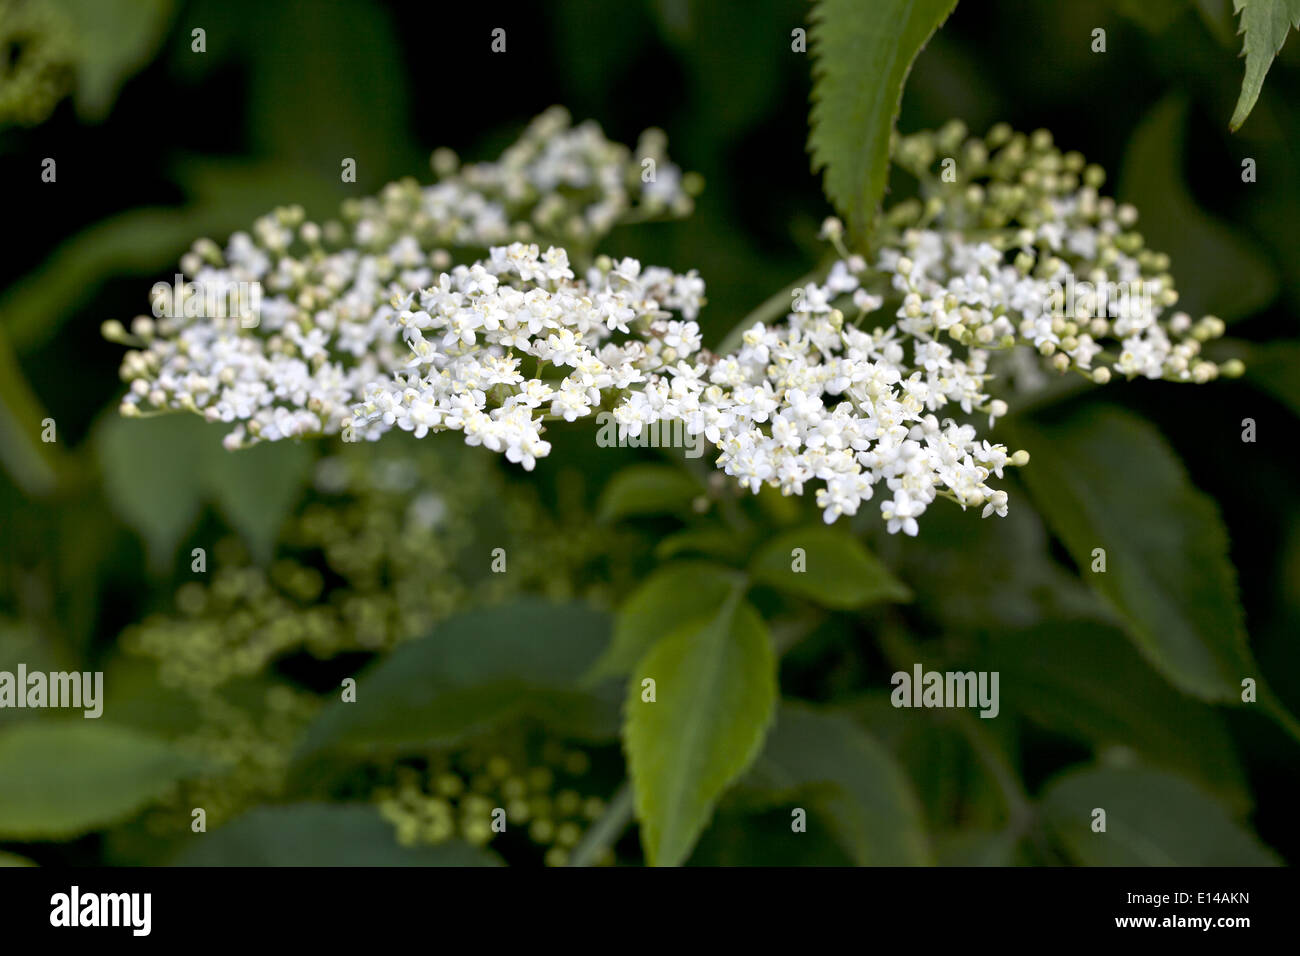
(837, 570)
(321, 834)
(159, 471)
(1105, 479)
(474, 672)
(1265, 24)
(256, 488)
(152, 477)
(34, 465)
(59, 779)
(876, 815)
(951, 778)
(1218, 271)
(647, 490)
(13, 859)
(115, 38)
(715, 687)
(978, 574)
(1085, 680)
(862, 53)
(669, 598)
(1152, 819)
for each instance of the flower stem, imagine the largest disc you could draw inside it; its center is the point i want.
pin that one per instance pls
(605, 831)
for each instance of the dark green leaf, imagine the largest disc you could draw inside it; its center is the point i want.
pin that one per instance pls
(159, 471)
(256, 488)
(647, 490)
(1152, 819)
(59, 779)
(837, 571)
(152, 477)
(977, 574)
(1106, 479)
(474, 672)
(876, 815)
(1084, 680)
(951, 780)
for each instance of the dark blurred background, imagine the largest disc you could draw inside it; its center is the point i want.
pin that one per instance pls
(200, 143)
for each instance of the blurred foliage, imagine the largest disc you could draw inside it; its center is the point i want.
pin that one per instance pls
(328, 563)
(83, 48)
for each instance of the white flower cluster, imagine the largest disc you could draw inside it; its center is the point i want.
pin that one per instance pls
(872, 386)
(810, 399)
(325, 328)
(472, 332)
(816, 398)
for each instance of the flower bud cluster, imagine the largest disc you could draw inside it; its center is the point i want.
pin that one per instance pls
(42, 50)
(482, 791)
(388, 544)
(1015, 245)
